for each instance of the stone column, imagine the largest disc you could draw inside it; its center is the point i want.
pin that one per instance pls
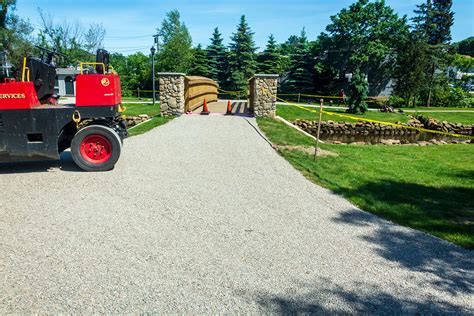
(263, 91)
(172, 99)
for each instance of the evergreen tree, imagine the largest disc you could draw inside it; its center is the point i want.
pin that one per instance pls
(466, 46)
(422, 20)
(287, 49)
(300, 78)
(269, 62)
(176, 54)
(242, 57)
(217, 58)
(433, 23)
(358, 89)
(199, 65)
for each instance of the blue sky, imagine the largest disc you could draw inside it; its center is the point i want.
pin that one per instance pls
(130, 24)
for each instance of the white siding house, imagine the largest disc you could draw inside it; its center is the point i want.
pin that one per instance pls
(65, 84)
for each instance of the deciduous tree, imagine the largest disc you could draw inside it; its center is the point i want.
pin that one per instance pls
(94, 37)
(411, 67)
(362, 38)
(70, 39)
(176, 54)
(466, 47)
(134, 70)
(15, 38)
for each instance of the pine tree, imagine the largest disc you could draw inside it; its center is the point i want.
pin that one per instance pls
(444, 20)
(199, 66)
(300, 78)
(269, 62)
(422, 20)
(217, 58)
(242, 57)
(358, 89)
(433, 23)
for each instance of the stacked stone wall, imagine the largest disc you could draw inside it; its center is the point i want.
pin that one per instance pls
(172, 89)
(369, 128)
(263, 90)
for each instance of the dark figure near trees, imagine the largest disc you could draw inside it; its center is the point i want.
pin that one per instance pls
(342, 97)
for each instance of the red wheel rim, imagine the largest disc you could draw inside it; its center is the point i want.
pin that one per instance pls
(96, 149)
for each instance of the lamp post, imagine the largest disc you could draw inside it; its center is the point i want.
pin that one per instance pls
(153, 51)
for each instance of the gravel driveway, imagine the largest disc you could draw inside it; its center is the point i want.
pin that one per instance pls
(202, 215)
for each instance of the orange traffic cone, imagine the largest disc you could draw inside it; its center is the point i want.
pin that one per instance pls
(229, 109)
(205, 109)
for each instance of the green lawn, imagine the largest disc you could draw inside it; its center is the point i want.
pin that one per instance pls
(125, 99)
(427, 188)
(464, 118)
(149, 125)
(437, 109)
(292, 113)
(134, 109)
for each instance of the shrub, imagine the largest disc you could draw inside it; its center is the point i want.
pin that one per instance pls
(359, 88)
(422, 118)
(397, 102)
(450, 97)
(376, 102)
(469, 102)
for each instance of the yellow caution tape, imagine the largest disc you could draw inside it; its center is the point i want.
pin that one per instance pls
(321, 96)
(342, 115)
(311, 95)
(379, 122)
(232, 92)
(145, 91)
(296, 94)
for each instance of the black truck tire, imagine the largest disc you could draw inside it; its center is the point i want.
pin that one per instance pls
(96, 148)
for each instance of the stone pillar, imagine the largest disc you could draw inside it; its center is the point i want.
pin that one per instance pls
(172, 99)
(263, 91)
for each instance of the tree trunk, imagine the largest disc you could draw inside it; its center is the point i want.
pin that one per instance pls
(428, 103)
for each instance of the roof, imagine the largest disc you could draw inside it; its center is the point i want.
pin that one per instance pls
(67, 71)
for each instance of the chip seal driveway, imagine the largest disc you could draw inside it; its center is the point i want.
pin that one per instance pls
(202, 215)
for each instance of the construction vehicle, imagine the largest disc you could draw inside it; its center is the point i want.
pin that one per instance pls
(33, 126)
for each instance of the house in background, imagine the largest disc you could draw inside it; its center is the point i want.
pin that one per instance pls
(65, 84)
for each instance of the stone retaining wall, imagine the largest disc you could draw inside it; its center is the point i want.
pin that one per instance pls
(360, 128)
(135, 120)
(444, 126)
(369, 128)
